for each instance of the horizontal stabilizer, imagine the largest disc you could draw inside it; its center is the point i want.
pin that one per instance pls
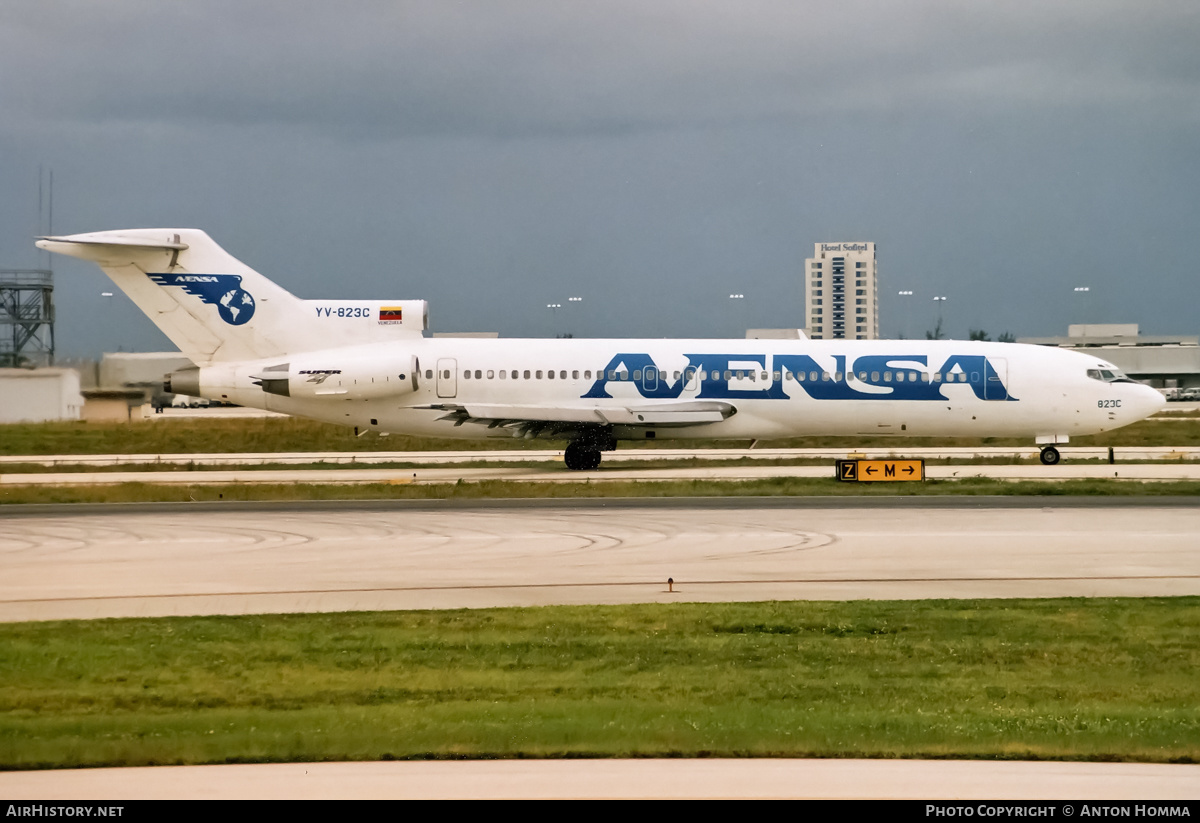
(107, 245)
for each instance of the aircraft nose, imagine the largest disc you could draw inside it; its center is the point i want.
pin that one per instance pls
(1145, 401)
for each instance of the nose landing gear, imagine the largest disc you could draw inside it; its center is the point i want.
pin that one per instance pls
(1050, 456)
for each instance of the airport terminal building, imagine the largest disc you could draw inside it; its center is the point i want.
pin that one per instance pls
(840, 292)
(1159, 361)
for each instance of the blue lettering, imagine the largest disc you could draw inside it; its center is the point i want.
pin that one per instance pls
(658, 389)
(845, 384)
(871, 370)
(714, 367)
(819, 389)
(981, 376)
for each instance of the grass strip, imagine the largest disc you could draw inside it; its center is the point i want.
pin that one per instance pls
(504, 489)
(484, 463)
(293, 434)
(1079, 679)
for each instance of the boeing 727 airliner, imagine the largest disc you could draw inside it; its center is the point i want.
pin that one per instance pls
(367, 363)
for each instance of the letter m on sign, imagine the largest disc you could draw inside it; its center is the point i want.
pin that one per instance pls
(889, 469)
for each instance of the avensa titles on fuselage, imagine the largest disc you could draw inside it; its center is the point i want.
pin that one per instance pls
(870, 377)
(368, 364)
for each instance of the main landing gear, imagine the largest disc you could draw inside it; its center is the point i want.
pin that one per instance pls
(579, 457)
(1050, 456)
(583, 453)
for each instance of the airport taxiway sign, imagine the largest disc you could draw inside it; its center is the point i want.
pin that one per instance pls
(874, 471)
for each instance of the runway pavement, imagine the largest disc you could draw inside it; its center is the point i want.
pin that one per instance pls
(148, 561)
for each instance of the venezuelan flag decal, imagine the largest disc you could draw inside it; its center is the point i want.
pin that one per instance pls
(390, 314)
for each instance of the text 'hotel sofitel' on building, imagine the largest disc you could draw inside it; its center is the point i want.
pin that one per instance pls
(840, 294)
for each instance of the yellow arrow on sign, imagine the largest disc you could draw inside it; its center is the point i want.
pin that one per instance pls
(877, 471)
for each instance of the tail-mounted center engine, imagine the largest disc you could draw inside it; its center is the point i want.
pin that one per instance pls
(353, 377)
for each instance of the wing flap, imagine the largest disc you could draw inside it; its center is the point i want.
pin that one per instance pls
(694, 413)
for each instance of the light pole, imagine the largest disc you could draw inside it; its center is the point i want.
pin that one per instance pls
(937, 330)
(107, 296)
(574, 301)
(904, 313)
(1083, 292)
(738, 318)
(554, 307)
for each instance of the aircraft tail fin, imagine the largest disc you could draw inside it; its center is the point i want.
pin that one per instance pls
(216, 308)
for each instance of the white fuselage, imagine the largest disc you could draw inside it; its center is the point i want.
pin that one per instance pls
(777, 388)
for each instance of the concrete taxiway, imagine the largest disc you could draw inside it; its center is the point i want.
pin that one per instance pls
(236, 559)
(551, 473)
(622, 456)
(757, 778)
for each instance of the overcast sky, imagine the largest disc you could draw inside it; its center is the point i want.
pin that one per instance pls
(649, 157)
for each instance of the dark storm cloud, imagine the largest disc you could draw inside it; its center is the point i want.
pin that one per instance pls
(386, 70)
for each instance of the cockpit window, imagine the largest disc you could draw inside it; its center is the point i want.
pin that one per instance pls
(1108, 376)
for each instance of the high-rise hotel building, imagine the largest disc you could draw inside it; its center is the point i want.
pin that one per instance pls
(840, 295)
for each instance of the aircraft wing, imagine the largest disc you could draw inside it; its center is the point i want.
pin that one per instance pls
(550, 420)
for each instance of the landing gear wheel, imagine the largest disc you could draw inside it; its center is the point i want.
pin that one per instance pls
(1050, 456)
(580, 458)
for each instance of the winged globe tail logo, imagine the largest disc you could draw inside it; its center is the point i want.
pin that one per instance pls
(234, 304)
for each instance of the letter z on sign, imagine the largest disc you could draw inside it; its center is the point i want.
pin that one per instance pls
(880, 471)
